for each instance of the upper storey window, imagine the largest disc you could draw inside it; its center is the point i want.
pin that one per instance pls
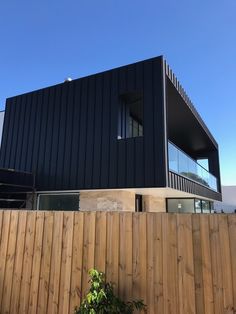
(135, 127)
(130, 115)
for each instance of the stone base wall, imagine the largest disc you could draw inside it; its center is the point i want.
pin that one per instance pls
(107, 200)
(119, 201)
(154, 203)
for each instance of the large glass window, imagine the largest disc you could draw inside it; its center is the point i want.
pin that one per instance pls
(130, 115)
(67, 201)
(189, 205)
(180, 205)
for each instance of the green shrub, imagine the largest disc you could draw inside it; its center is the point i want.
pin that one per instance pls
(102, 300)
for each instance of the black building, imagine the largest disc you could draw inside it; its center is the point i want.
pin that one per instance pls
(123, 139)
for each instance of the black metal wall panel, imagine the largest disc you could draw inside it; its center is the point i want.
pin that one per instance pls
(26, 131)
(159, 112)
(5, 132)
(67, 134)
(106, 133)
(72, 175)
(49, 138)
(14, 139)
(69, 137)
(32, 130)
(149, 125)
(9, 135)
(114, 100)
(52, 159)
(97, 131)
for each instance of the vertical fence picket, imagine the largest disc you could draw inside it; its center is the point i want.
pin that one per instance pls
(206, 264)
(10, 257)
(88, 248)
(18, 265)
(77, 261)
(27, 263)
(3, 252)
(45, 264)
(38, 247)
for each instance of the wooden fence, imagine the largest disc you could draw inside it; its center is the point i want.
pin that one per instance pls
(176, 263)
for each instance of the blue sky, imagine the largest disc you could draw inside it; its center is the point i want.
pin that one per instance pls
(42, 42)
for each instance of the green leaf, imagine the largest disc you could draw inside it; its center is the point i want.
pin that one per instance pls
(101, 298)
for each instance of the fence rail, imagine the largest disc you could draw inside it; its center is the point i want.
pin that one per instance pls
(176, 263)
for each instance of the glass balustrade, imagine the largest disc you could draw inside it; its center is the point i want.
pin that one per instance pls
(184, 165)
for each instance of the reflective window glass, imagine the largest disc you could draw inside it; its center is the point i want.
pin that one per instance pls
(58, 202)
(173, 158)
(180, 205)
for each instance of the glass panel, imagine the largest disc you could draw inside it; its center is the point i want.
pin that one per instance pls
(140, 130)
(204, 163)
(180, 205)
(211, 205)
(205, 206)
(130, 127)
(212, 182)
(173, 158)
(192, 168)
(135, 128)
(184, 165)
(172, 206)
(58, 202)
(198, 206)
(200, 176)
(205, 177)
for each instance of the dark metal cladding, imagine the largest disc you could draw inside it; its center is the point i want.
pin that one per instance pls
(67, 134)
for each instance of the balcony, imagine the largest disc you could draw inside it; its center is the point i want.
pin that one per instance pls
(182, 164)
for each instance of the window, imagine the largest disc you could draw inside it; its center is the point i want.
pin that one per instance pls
(206, 207)
(198, 206)
(189, 205)
(58, 201)
(136, 129)
(180, 205)
(203, 206)
(130, 117)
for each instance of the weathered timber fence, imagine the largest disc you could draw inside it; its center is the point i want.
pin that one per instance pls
(176, 263)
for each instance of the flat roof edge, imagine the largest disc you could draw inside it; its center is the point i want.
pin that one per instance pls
(170, 74)
(86, 76)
